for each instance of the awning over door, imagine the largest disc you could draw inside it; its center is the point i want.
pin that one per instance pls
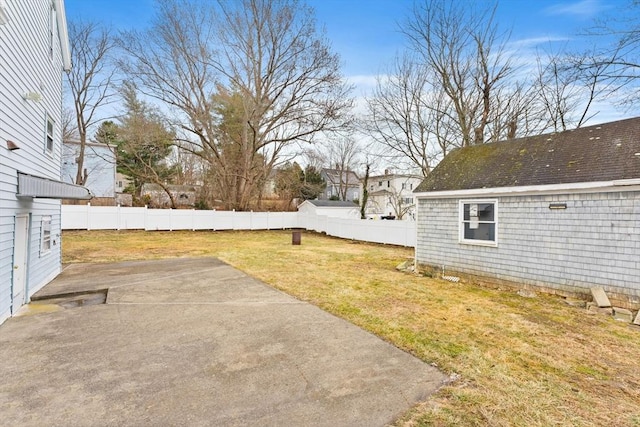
(45, 188)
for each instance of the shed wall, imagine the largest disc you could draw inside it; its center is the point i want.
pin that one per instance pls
(595, 241)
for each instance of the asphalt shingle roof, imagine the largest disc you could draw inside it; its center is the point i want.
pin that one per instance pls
(604, 152)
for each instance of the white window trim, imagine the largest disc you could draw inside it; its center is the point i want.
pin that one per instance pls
(48, 120)
(461, 238)
(45, 225)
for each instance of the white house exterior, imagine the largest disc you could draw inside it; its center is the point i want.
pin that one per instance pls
(557, 212)
(34, 51)
(392, 195)
(99, 162)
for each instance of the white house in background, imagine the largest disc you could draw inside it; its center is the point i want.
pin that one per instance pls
(391, 194)
(34, 48)
(122, 182)
(99, 163)
(330, 208)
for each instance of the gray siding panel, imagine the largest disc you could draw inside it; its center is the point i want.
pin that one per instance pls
(595, 241)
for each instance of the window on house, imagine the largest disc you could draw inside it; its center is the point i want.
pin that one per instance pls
(411, 186)
(4, 18)
(45, 235)
(404, 185)
(388, 184)
(49, 135)
(478, 222)
(407, 200)
(379, 183)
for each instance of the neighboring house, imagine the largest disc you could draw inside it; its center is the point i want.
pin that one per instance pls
(269, 190)
(391, 194)
(34, 48)
(122, 182)
(559, 212)
(338, 182)
(99, 163)
(184, 195)
(330, 208)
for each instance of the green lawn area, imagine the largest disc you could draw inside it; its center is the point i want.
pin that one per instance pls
(513, 360)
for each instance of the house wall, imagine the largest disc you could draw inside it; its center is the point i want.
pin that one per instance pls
(99, 161)
(352, 192)
(398, 186)
(594, 242)
(28, 65)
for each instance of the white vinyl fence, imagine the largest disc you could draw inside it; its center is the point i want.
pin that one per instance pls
(87, 217)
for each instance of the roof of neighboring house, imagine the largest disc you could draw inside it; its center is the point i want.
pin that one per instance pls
(334, 176)
(88, 144)
(605, 152)
(332, 203)
(394, 175)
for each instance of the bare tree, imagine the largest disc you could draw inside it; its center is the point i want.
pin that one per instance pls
(89, 81)
(466, 52)
(342, 154)
(617, 59)
(405, 116)
(400, 203)
(567, 86)
(69, 125)
(265, 56)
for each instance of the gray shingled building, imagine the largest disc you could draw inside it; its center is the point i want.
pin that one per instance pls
(558, 212)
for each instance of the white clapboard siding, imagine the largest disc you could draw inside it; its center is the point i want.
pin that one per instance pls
(28, 66)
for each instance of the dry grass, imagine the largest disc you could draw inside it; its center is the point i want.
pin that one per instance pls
(518, 361)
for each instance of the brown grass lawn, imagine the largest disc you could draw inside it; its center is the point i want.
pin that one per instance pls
(515, 361)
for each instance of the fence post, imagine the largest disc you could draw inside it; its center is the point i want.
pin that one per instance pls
(88, 216)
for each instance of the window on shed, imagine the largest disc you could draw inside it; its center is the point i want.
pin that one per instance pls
(45, 235)
(49, 135)
(478, 222)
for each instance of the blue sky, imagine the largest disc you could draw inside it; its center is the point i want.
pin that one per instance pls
(365, 32)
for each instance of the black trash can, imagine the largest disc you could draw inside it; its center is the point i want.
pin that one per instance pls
(296, 237)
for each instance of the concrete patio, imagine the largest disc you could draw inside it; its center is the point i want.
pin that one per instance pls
(196, 342)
